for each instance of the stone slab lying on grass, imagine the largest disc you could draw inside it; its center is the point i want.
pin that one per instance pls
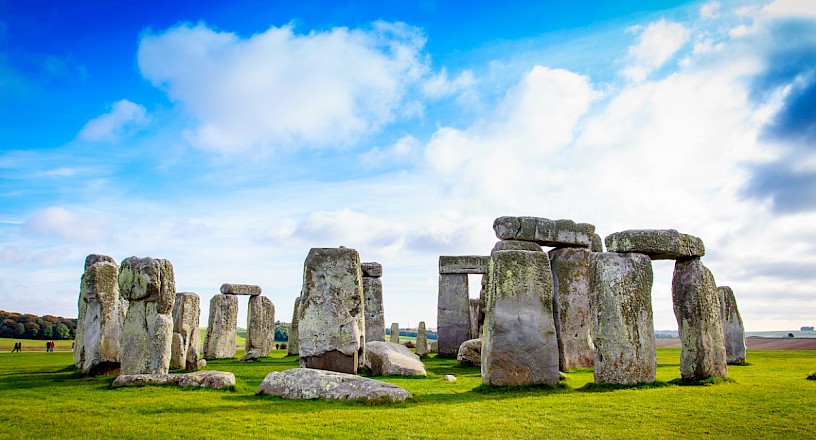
(390, 359)
(658, 244)
(546, 232)
(470, 353)
(308, 383)
(203, 379)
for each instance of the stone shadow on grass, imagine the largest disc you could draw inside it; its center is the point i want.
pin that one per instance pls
(593, 387)
(703, 382)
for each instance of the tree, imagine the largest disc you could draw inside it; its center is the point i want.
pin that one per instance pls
(62, 332)
(19, 330)
(281, 331)
(31, 330)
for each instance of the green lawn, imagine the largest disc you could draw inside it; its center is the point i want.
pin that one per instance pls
(45, 397)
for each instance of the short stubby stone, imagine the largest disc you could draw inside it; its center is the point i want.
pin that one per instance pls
(186, 334)
(308, 383)
(571, 306)
(519, 346)
(394, 333)
(222, 327)
(658, 244)
(260, 329)
(371, 269)
(470, 353)
(699, 321)
(292, 344)
(200, 379)
(543, 231)
(422, 348)
(104, 316)
(622, 324)
(733, 329)
(240, 289)
(374, 310)
(390, 359)
(331, 326)
(467, 264)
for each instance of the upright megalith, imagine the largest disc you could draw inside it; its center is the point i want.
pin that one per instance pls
(372, 293)
(104, 317)
(476, 317)
(395, 333)
(733, 329)
(519, 345)
(658, 244)
(82, 307)
(699, 321)
(452, 313)
(222, 327)
(292, 344)
(571, 306)
(331, 328)
(186, 335)
(260, 328)
(422, 341)
(622, 324)
(150, 288)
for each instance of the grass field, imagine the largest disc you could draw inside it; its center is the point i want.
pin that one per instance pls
(45, 397)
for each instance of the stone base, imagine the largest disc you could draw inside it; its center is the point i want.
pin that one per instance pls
(332, 361)
(103, 369)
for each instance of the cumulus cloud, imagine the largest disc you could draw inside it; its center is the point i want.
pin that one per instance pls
(657, 44)
(64, 224)
(283, 88)
(123, 117)
(405, 150)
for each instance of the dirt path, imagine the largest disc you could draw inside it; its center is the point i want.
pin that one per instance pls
(759, 343)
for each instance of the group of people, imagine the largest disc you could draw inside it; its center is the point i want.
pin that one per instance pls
(49, 346)
(18, 346)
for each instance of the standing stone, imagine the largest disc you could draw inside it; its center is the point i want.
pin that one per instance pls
(475, 305)
(422, 341)
(622, 324)
(519, 346)
(222, 327)
(82, 306)
(374, 311)
(260, 328)
(104, 317)
(571, 308)
(149, 286)
(395, 331)
(186, 334)
(699, 321)
(292, 343)
(452, 313)
(733, 330)
(331, 328)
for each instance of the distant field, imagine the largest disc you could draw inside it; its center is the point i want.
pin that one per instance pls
(45, 397)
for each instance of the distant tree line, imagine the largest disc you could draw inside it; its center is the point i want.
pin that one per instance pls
(27, 326)
(412, 332)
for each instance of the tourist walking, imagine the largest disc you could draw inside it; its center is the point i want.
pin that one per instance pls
(18, 346)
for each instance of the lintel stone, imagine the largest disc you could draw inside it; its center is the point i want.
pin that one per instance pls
(658, 244)
(466, 264)
(240, 289)
(545, 232)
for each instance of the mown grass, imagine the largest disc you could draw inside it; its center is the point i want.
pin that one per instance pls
(45, 397)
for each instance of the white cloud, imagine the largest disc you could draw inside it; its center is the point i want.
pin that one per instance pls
(657, 44)
(440, 85)
(404, 151)
(13, 255)
(710, 10)
(124, 116)
(790, 8)
(61, 223)
(281, 88)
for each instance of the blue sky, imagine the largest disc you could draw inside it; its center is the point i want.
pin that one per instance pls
(231, 139)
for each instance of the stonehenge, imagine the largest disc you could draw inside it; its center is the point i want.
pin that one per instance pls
(260, 337)
(422, 341)
(372, 292)
(571, 306)
(453, 313)
(222, 327)
(186, 336)
(292, 345)
(733, 329)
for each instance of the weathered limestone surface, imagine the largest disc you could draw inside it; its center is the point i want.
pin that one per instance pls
(390, 359)
(571, 308)
(240, 289)
(308, 383)
(331, 328)
(597, 243)
(82, 306)
(516, 245)
(546, 232)
(467, 264)
(395, 333)
(222, 327)
(658, 244)
(733, 329)
(519, 346)
(699, 320)
(371, 269)
(452, 313)
(470, 353)
(186, 336)
(104, 317)
(292, 344)
(260, 328)
(622, 324)
(150, 288)
(374, 310)
(476, 317)
(202, 379)
(422, 341)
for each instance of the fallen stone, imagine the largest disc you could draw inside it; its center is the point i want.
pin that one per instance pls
(222, 327)
(260, 329)
(519, 346)
(699, 320)
(467, 264)
(240, 289)
(202, 379)
(395, 333)
(331, 325)
(733, 329)
(389, 359)
(422, 341)
(470, 353)
(658, 244)
(371, 269)
(571, 306)
(292, 344)
(449, 378)
(452, 313)
(622, 324)
(374, 311)
(103, 319)
(408, 343)
(186, 334)
(545, 232)
(308, 383)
